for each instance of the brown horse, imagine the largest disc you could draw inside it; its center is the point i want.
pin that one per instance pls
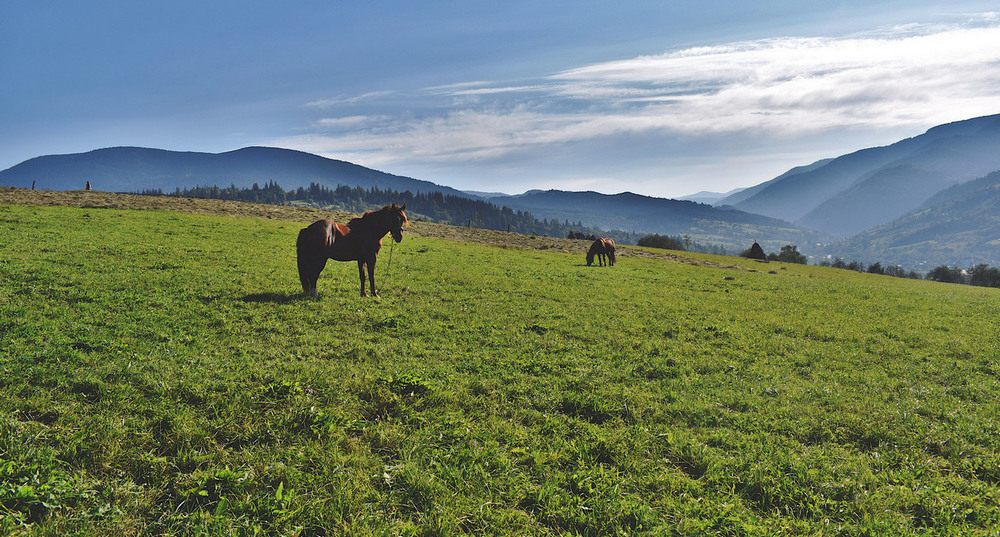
(602, 248)
(360, 240)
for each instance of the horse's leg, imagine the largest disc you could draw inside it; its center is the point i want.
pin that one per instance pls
(361, 273)
(371, 275)
(317, 268)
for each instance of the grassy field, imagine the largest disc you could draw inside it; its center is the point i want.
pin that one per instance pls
(163, 374)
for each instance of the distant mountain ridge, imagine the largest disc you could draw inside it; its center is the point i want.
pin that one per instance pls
(613, 211)
(870, 187)
(959, 227)
(627, 211)
(927, 200)
(709, 198)
(133, 169)
(746, 193)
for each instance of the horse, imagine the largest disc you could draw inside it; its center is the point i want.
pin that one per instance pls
(602, 248)
(360, 240)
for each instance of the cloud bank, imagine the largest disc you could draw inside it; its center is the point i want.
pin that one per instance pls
(779, 88)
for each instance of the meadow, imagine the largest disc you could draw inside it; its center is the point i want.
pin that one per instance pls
(162, 373)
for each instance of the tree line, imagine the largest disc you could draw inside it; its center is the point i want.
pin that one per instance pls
(981, 275)
(874, 268)
(789, 254)
(432, 206)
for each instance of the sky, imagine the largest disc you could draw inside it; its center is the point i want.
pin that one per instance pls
(658, 98)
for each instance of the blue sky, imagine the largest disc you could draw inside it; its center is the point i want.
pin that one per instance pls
(658, 98)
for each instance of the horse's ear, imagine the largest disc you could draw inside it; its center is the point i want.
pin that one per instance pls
(403, 208)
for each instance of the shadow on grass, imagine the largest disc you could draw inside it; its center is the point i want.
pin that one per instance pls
(275, 298)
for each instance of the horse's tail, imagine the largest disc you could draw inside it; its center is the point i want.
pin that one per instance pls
(610, 249)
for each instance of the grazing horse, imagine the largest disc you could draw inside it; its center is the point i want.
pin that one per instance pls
(360, 240)
(602, 248)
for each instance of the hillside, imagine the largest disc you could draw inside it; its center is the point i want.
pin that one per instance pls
(306, 215)
(855, 192)
(129, 169)
(134, 169)
(746, 193)
(164, 375)
(733, 229)
(959, 226)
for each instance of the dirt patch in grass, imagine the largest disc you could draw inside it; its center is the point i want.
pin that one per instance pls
(306, 215)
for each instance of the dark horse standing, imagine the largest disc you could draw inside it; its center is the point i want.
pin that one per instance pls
(360, 240)
(602, 248)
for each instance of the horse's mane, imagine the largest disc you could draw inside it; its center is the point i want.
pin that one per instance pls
(367, 215)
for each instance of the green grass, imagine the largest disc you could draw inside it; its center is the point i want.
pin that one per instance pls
(163, 374)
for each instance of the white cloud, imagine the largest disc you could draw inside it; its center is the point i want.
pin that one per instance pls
(348, 122)
(783, 87)
(331, 102)
(802, 84)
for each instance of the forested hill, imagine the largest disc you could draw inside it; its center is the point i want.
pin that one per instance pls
(872, 187)
(134, 169)
(732, 229)
(131, 169)
(957, 227)
(433, 206)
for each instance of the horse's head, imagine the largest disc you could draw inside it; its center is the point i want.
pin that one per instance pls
(396, 220)
(597, 248)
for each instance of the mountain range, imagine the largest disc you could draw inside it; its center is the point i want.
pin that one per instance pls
(959, 226)
(709, 197)
(732, 229)
(852, 193)
(134, 169)
(927, 200)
